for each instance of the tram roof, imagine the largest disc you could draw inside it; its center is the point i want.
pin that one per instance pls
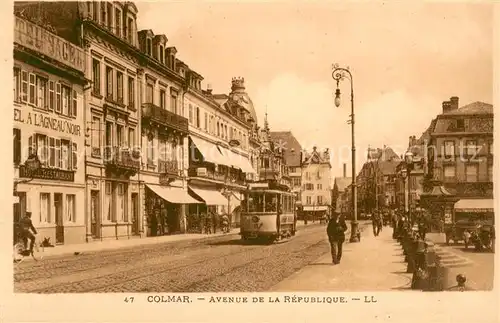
(263, 190)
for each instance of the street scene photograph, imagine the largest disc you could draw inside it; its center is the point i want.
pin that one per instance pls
(206, 147)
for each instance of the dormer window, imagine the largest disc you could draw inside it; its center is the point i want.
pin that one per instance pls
(110, 16)
(118, 22)
(149, 46)
(130, 30)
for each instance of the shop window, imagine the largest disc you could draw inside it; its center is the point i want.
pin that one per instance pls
(44, 208)
(70, 208)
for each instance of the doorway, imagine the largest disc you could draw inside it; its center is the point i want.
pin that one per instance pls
(58, 205)
(94, 213)
(135, 213)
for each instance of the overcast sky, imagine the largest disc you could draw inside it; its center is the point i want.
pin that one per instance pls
(405, 59)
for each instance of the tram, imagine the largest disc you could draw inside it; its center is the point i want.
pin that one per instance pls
(268, 214)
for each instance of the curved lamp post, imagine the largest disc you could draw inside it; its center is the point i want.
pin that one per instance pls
(339, 74)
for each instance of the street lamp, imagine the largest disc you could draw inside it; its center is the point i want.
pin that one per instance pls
(339, 74)
(32, 164)
(409, 168)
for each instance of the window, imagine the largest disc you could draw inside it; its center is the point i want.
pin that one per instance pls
(96, 76)
(149, 93)
(318, 175)
(308, 200)
(17, 145)
(173, 103)
(42, 148)
(103, 13)
(118, 23)
(163, 99)
(120, 202)
(119, 87)
(96, 137)
(24, 86)
(161, 54)
(17, 84)
(131, 92)
(119, 135)
(32, 89)
(130, 30)
(151, 150)
(148, 47)
(197, 117)
(107, 201)
(41, 92)
(109, 82)
(205, 122)
(460, 124)
(110, 16)
(471, 173)
(225, 131)
(44, 208)
(57, 157)
(52, 96)
(471, 147)
(66, 92)
(449, 172)
(96, 12)
(190, 114)
(65, 161)
(449, 148)
(319, 187)
(109, 134)
(70, 208)
(319, 199)
(58, 98)
(490, 173)
(218, 129)
(131, 137)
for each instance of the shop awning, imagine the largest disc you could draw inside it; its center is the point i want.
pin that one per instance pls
(209, 151)
(211, 197)
(316, 208)
(238, 161)
(173, 194)
(474, 205)
(237, 196)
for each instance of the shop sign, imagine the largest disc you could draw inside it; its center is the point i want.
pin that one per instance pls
(47, 173)
(47, 122)
(41, 40)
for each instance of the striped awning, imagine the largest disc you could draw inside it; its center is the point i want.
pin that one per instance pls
(474, 205)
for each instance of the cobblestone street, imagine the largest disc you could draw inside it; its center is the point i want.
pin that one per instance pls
(220, 264)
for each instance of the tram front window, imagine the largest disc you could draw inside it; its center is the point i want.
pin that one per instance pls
(256, 202)
(271, 202)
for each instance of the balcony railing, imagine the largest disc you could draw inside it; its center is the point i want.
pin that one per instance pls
(169, 167)
(122, 158)
(164, 117)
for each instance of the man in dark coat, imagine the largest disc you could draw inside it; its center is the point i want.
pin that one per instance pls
(26, 225)
(376, 223)
(336, 235)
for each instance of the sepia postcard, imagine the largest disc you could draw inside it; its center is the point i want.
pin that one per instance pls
(253, 161)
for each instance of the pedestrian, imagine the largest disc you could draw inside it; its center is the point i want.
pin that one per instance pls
(27, 231)
(422, 226)
(376, 223)
(336, 236)
(394, 221)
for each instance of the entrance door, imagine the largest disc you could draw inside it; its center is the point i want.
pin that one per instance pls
(94, 213)
(135, 213)
(58, 204)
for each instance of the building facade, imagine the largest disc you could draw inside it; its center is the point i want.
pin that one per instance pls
(293, 157)
(219, 149)
(49, 114)
(316, 180)
(339, 198)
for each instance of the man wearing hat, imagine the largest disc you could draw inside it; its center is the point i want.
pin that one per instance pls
(26, 225)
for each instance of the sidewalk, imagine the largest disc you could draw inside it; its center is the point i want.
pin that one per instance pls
(112, 244)
(374, 264)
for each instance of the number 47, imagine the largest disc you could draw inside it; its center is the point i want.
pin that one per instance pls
(129, 299)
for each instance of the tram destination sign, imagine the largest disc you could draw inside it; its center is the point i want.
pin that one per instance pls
(41, 40)
(47, 173)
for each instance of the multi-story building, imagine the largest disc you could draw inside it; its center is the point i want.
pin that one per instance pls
(460, 156)
(49, 123)
(376, 180)
(219, 159)
(163, 137)
(316, 180)
(293, 153)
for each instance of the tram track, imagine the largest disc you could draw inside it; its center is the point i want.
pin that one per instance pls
(165, 272)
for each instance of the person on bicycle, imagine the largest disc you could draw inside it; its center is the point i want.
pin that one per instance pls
(25, 226)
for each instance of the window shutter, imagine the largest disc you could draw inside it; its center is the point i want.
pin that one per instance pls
(24, 86)
(17, 146)
(51, 96)
(31, 148)
(32, 88)
(58, 154)
(75, 104)
(58, 98)
(74, 151)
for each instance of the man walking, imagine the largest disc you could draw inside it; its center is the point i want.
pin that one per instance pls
(336, 235)
(376, 223)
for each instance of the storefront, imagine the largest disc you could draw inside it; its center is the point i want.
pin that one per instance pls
(474, 209)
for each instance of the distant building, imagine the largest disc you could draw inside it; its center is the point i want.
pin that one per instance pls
(339, 199)
(292, 155)
(316, 180)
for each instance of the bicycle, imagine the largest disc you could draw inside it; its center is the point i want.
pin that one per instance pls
(20, 252)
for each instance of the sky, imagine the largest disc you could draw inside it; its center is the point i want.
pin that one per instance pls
(405, 58)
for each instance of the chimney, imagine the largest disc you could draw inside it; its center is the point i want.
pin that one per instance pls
(209, 89)
(454, 103)
(345, 169)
